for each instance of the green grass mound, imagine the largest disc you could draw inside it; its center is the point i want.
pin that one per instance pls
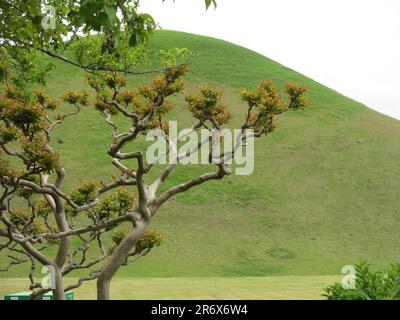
(325, 191)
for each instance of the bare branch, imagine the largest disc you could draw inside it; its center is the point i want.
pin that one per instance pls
(92, 69)
(221, 173)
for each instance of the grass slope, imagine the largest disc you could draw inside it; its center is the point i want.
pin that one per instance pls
(325, 191)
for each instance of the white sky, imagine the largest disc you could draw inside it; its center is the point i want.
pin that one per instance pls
(352, 46)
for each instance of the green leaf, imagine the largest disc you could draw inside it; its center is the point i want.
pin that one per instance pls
(211, 2)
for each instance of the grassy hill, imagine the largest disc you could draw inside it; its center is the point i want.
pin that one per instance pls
(325, 191)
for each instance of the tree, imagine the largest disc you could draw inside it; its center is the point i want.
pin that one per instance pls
(110, 47)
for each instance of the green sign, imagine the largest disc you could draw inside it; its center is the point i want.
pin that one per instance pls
(25, 296)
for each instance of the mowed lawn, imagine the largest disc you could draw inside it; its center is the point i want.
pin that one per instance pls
(247, 288)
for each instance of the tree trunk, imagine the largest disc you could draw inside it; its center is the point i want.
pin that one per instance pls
(58, 291)
(62, 253)
(118, 258)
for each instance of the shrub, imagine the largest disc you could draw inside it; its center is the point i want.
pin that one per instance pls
(369, 285)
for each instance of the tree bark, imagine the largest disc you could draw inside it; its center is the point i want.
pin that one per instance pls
(118, 258)
(58, 292)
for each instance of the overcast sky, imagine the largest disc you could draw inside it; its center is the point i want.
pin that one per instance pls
(352, 46)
